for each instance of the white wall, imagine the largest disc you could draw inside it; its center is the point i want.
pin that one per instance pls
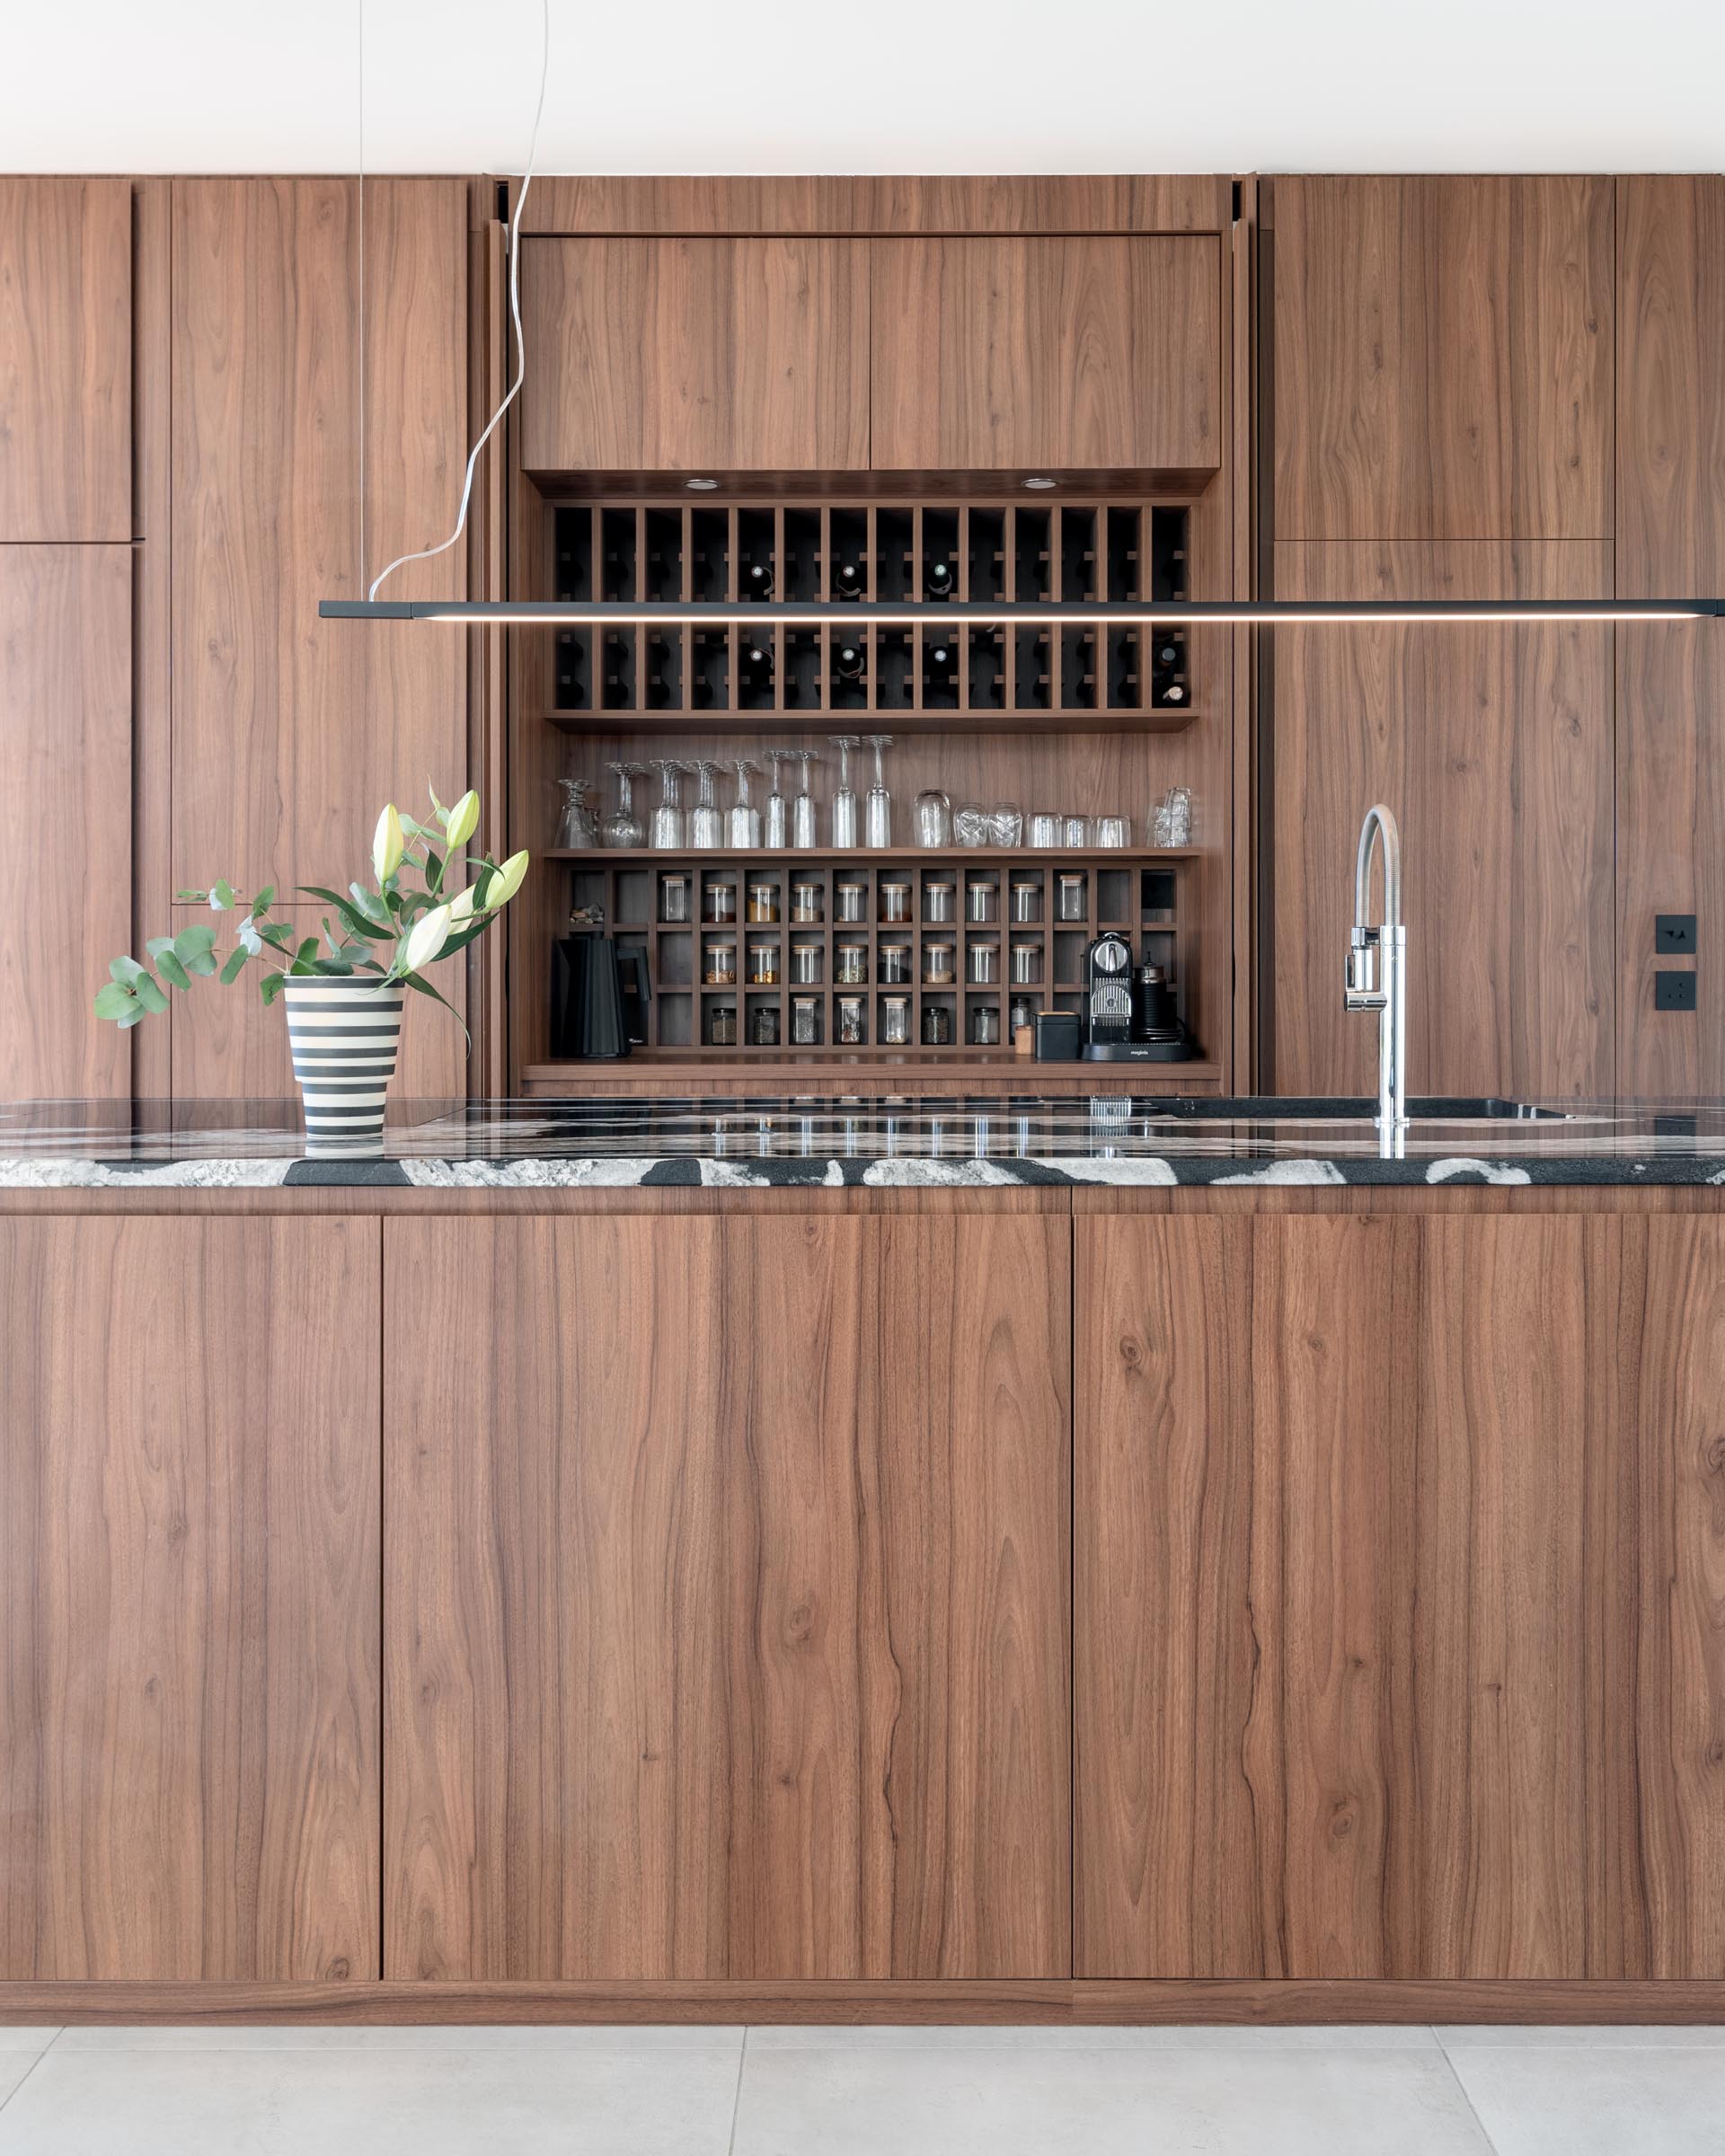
(865, 86)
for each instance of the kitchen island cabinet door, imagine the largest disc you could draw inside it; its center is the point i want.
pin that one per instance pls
(726, 1597)
(1397, 1571)
(188, 1589)
(1047, 355)
(692, 355)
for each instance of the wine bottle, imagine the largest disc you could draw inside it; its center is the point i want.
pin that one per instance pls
(758, 583)
(847, 659)
(848, 580)
(937, 580)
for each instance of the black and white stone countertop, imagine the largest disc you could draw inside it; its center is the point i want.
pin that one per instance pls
(1078, 1138)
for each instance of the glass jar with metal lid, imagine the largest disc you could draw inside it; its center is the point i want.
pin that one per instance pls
(763, 1026)
(805, 1022)
(673, 898)
(721, 1025)
(895, 1021)
(985, 1026)
(852, 1029)
(937, 1026)
(1072, 894)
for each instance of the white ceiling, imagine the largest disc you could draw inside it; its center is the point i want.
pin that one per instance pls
(864, 86)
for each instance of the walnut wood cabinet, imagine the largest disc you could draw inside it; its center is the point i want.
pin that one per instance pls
(65, 361)
(1062, 354)
(726, 1595)
(189, 1614)
(65, 816)
(696, 354)
(1396, 1588)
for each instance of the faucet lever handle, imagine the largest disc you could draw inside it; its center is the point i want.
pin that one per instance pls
(1360, 986)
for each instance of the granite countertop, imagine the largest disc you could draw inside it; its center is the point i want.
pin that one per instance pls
(1096, 1137)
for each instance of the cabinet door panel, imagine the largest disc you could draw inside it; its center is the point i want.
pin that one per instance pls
(1046, 354)
(1493, 747)
(65, 360)
(188, 1628)
(730, 1640)
(65, 816)
(1414, 1600)
(1443, 358)
(741, 355)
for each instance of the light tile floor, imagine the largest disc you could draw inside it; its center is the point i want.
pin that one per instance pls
(584, 2091)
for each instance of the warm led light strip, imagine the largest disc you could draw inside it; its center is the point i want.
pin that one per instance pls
(631, 613)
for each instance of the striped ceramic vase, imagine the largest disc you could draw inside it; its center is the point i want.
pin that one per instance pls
(345, 1034)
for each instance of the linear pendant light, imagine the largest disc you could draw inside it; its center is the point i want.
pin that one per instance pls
(634, 613)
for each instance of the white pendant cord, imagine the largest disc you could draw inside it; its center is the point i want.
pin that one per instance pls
(426, 553)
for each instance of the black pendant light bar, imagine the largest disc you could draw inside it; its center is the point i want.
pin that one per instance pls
(1053, 614)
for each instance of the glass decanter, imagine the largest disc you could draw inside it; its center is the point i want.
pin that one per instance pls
(578, 828)
(745, 819)
(624, 826)
(844, 797)
(877, 803)
(667, 832)
(803, 833)
(776, 822)
(707, 825)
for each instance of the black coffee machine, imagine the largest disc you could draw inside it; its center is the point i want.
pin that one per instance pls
(598, 998)
(1129, 1017)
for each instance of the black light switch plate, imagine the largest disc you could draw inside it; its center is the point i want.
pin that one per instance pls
(1674, 933)
(1673, 991)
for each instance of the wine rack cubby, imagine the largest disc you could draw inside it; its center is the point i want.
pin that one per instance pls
(727, 990)
(684, 678)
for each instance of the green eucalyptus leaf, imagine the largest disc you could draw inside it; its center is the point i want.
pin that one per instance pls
(304, 955)
(113, 1000)
(235, 964)
(199, 936)
(156, 945)
(260, 904)
(272, 985)
(126, 971)
(150, 992)
(171, 971)
(133, 1017)
(202, 897)
(221, 895)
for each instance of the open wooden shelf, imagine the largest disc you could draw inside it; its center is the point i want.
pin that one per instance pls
(867, 1071)
(641, 725)
(879, 857)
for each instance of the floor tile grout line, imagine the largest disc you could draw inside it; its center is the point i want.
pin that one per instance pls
(30, 2069)
(1473, 2110)
(737, 2099)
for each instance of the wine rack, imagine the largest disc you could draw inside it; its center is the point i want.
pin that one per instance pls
(1149, 897)
(683, 678)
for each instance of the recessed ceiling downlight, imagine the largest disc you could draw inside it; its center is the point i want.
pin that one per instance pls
(1039, 486)
(700, 486)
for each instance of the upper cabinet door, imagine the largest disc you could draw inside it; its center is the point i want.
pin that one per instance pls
(65, 360)
(696, 354)
(1443, 359)
(1072, 354)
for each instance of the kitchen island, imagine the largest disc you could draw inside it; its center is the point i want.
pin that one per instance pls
(1067, 1559)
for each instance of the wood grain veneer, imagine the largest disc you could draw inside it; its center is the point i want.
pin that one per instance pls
(1443, 358)
(1432, 1643)
(1494, 747)
(731, 1640)
(697, 355)
(189, 1619)
(66, 334)
(1045, 354)
(66, 815)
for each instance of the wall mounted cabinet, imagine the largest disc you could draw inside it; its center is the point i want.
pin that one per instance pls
(65, 360)
(685, 355)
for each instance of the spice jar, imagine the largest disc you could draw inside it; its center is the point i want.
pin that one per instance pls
(763, 1026)
(1070, 894)
(895, 902)
(721, 1025)
(1027, 898)
(805, 902)
(895, 1021)
(805, 962)
(985, 962)
(940, 964)
(985, 1026)
(673, 898)
(719, 965)
(1026, 960)
(851, 962)
(805, 1021)
(762, 902)
(895, 962)
(937, 1026)
(850, 901)
(982, 901)
(763, 965)
(940, 902)
(851, 1028)
(719, 903)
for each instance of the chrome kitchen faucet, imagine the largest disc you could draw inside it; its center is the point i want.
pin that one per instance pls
(1377, 976)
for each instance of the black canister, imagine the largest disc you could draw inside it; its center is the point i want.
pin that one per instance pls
(1154, 1014)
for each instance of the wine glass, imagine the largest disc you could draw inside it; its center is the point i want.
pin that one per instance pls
(745, 819)
(845, 798)
(706, 828)
(666, 833)
(624, 826)
(577, 829)
(933, 818)
(803, 834)
(776, 823)
(877, 804)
